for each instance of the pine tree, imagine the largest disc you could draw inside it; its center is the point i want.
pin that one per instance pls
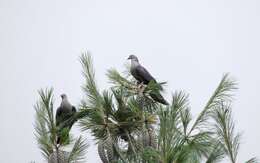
(46, 133)
(130, 127)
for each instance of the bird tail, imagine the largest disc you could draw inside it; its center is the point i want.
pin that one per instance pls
(58, 140)
(63, 136)
(159, 98)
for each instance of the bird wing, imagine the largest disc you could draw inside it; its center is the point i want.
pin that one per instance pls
(143, 74)
(74, 109)
(58, 116)
(158, 98)
(63, 114)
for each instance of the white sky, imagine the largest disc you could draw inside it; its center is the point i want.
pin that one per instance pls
(188, 43)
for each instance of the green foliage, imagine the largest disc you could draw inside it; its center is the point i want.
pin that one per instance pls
(124, 112)
(217, 153)
(90, 87)
(129, 126)
(150, 155)
(46, 131)
(252, 160)
(78, 151)
(223, 93)
(115, 115)
(225, 131)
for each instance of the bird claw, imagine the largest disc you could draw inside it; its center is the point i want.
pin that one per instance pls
(141, 88)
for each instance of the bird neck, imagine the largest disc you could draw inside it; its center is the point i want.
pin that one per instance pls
(65, 102)
(134, 63)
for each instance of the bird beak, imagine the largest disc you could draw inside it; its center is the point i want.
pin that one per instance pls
(129, 58)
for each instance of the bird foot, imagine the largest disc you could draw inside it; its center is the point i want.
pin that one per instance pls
(141, 88)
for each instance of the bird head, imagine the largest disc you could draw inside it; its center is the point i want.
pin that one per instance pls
(63, 96)
(133, 58)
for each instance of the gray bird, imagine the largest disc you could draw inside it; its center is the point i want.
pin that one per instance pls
(64, 112)
(143, 76)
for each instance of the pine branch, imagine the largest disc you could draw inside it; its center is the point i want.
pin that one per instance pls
(78, 151)
(217, 153)
(171, 137)
(225, 129)
(45, 131)
(82, 113)
(90, 87)
(222, 93)
(116, 78)
(253, 160)
(185, 119)
(120, 81)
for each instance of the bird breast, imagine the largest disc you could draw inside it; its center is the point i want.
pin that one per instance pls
(66, 105)
(134, 64)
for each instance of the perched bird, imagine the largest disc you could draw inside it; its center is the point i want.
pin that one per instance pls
(144, 77)
(63, 113)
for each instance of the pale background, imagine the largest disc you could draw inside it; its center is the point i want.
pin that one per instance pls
(188, 43)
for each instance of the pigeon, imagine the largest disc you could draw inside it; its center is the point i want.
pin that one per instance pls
(144, 77)
(64, 112)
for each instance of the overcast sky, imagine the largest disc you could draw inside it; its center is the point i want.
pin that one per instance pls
(188, 43)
